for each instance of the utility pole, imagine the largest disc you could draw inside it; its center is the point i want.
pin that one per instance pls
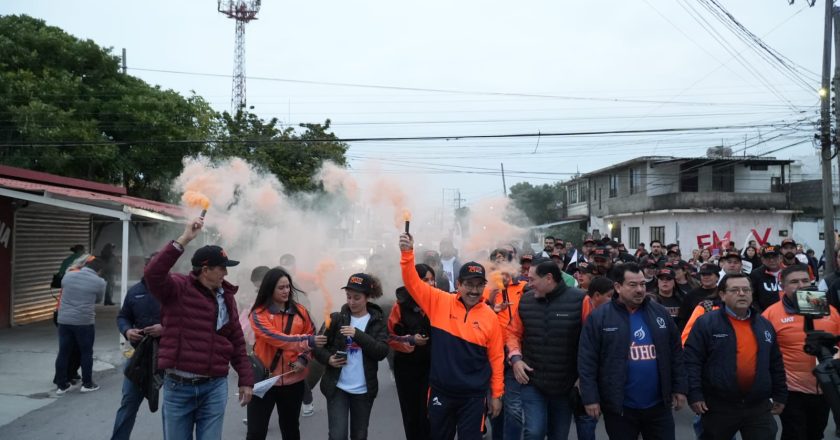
(124, 65)
(825, 140)
(504, 185)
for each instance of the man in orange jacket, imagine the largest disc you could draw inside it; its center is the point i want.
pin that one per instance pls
(468, 352)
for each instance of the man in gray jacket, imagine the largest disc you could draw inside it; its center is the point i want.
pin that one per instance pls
(80, 291)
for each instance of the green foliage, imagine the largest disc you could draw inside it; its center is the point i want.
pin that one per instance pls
(99, 124)
(539, 203)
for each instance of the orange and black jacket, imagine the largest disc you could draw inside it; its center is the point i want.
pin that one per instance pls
(468, 348)
(269, 324)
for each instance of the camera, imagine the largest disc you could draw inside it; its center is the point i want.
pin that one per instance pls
(813, 304)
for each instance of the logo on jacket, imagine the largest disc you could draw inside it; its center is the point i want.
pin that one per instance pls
(788, 320)
(639, 334)
(476, 326)
(610, 329)
(436, 402)
(660, 322)
(767, 336)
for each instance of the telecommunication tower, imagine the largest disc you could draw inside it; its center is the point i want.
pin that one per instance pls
(242, 11)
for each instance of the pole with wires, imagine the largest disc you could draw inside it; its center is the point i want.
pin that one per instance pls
(825, 141)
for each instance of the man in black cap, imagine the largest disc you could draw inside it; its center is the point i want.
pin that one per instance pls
(668, 295)
(709, 277)
(788, 250)
(765, 279)
(600, 259)
(650, 267)
(201, 340)
(730, 263)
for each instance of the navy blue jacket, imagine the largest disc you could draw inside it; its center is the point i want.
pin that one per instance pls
(139, 310)
(605, 348)
(710, 360)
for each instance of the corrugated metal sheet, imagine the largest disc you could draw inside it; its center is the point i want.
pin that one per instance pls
(43, 237)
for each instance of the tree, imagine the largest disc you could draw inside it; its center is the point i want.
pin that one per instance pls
(293, 157)
(65, 108)
(539, 203)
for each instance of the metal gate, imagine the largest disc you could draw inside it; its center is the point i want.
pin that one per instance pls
(43, 236)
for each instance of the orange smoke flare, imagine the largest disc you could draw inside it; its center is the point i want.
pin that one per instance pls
(407, 218)
(195, 199)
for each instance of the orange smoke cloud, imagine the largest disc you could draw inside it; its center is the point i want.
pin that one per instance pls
(324, 268)
(195, 199)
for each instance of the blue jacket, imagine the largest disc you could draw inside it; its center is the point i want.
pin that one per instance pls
(710, 360)
(139, 310)
(605, 348)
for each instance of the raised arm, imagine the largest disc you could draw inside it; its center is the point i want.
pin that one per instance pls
(424, 295)
(156, 274)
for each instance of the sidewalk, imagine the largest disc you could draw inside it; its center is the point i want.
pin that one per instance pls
(27, 362)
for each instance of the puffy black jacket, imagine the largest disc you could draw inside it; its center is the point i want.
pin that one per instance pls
(373, 341)
(412, 321)
(605, 347)
(550, 336)
(711, 356)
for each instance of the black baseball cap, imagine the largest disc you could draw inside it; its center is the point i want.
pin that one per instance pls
(359, 282)
(709, 269)
(211, 256)
(601, 252)
(730, 254)
(472, 270)
(666, 272)
(769, 250)
(789, 241)
(584, 267)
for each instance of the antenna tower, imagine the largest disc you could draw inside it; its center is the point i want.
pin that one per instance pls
(242, 11)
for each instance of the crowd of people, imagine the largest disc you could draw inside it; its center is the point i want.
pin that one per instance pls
(518, 346)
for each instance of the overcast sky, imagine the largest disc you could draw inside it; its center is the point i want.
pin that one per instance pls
(507, 68)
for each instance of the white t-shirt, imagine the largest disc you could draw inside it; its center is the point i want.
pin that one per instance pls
(449, 270)
(352, 377)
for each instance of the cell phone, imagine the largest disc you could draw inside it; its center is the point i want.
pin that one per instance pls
(341, 354)
(812, 303)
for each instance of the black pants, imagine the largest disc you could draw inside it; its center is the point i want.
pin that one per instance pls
(343, 405)
(287, 399)
(805, 416)
(412, 381)
(74, 362)
(724, 419)
(655, 423)
(448, 414)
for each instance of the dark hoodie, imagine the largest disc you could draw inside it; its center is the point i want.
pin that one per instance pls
(373, 341)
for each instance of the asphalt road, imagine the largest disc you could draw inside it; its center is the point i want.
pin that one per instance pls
(91, 416)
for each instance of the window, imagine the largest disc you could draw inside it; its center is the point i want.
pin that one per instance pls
(613, 185)
(573, 194)
(633, 237)
(723, 178)
(583, 189)
(600, 197)
(689, 178)
(758, 167)
(657, 233)
(635, 181)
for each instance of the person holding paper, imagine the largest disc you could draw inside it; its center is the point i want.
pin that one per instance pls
(285, 337)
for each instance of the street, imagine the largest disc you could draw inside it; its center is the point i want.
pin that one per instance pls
(91, 416)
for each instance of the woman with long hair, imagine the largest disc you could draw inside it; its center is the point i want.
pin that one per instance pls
(704, 257)
(751, 254)
(409, 330)
(357, 339)
(285, 337)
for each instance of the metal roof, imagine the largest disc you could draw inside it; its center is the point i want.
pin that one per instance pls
(746, 160)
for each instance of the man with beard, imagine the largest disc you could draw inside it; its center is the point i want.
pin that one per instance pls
(601, 261)
(789, 257)
(548, 246)
(656, 252)
(709, 277)
(674, 254)
(587, 248)
(765, 279)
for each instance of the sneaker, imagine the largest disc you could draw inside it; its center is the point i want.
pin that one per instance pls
(61, 390)
(89, 387)
(308, 409)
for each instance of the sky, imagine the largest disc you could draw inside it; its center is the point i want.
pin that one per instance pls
(443, 69)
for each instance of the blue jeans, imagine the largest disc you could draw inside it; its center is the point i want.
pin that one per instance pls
(512, 407)
(585, 426)
(189, 407)
(545, 415)
(132, 397)
(70, 337)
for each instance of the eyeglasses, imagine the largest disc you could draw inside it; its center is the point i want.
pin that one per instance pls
(744, 290)
(473, 287)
